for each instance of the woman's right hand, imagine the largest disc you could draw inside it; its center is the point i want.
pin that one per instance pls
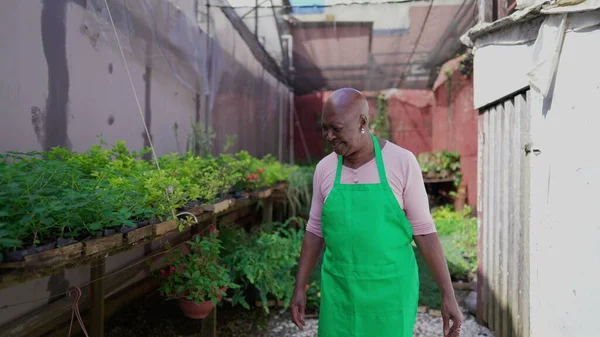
(297, 306)
(311, 249)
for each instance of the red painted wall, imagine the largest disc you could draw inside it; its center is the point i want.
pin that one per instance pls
(411, 120)
(409, 112)
(455, 127)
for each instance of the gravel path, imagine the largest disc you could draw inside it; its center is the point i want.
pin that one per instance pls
(151, 316)
(426, 326)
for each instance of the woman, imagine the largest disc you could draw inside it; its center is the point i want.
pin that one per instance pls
(369, 278)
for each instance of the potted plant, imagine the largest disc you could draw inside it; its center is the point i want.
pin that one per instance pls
(197, 279)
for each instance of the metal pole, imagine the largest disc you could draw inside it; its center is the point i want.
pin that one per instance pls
(97, 298)
(291, 109)
(280, 111)
(278, 32)
(208, 76)
(256, 18)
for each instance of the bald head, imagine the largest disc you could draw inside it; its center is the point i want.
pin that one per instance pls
(347, 101)
(345, 121)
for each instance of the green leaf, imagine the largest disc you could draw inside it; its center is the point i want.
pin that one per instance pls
(95, 226)
(10, 242)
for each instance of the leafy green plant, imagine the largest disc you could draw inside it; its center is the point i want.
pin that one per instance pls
(313, 295)
(263, 259)
(197, 276)
(380, 125)
(299, 191)
(5, 239)
(201, 139)
(75, 195)
(466, 64)
(42, 199)
(458, 233)
(440, 165)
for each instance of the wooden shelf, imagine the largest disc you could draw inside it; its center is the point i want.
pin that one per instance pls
(438, 180)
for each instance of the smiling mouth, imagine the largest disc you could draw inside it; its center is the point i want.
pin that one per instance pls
(336, 145)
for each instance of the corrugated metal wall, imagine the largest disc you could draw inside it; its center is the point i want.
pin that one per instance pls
(503, 204)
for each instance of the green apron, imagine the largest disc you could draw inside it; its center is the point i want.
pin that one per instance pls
(369, 277)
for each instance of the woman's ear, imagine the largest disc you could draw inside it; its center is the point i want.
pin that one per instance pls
(364, 122)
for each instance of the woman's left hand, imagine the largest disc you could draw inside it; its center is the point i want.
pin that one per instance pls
(451, 312)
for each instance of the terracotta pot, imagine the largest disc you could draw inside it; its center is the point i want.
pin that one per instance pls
(197, 311)
(191, 310)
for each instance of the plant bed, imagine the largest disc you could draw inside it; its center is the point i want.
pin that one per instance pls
(55, 256)
(59, 195)
(19, 255)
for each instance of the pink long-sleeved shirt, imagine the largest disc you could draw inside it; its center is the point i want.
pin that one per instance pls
(403, 174)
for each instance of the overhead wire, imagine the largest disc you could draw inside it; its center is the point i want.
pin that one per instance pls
(403, 76)
(339, 4)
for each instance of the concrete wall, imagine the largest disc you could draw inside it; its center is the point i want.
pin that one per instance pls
(565, 176)
(60, 87)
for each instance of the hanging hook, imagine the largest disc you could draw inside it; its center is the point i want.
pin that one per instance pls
(75, 292)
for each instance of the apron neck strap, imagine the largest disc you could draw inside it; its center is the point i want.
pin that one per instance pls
(378, 159)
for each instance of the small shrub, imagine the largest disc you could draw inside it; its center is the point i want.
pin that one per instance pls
(264, 258)
(458, 233)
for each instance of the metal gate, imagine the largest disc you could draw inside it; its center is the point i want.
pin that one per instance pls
(503, 216)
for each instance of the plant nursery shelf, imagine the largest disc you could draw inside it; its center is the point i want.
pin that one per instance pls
(52, 261)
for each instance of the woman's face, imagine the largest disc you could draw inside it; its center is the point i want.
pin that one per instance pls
(343, 130)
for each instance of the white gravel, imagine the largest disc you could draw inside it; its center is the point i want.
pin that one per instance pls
(426, 326)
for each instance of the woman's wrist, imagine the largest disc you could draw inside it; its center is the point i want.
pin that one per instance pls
(448, 293)
(299, 286)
